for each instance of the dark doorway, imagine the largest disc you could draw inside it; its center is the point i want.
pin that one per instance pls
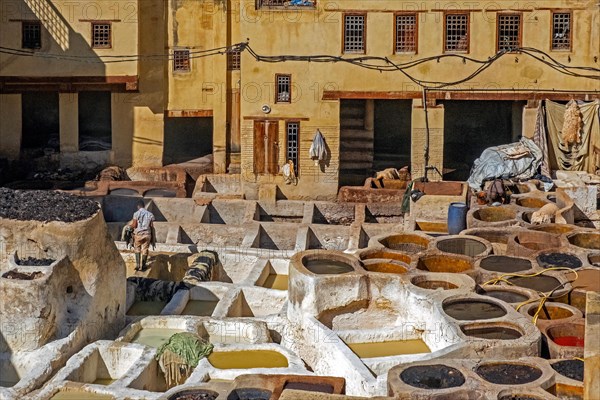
(471, 126)
(187, 138)
(356, 142)
(40, 121)
(392, 134)
(95, 121)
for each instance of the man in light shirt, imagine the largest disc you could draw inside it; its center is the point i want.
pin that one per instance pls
(143, 234)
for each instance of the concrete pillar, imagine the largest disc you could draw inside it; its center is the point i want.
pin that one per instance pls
(529, 118)
(418, 139)
(591, 381)
(68, 109)
(10, 126)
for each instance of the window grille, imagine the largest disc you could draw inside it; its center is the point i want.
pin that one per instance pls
(354, 33)
(457, 33)
(101, 35)
(283, 86)
(406, 33)
(31, 35)
(234, 59)
(561, 31)
(293, 128)
(181, 60)
(509, 31)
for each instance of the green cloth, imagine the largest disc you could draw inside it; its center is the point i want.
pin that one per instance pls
(406, 198)
(189, 346)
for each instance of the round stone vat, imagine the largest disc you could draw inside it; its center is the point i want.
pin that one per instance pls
(246, 359)
(540, 283)
(385, 266)
(588, 279)
(425, 282)
(557, 229)
(491, 331)
(572, 369)
(520, 396)
(551, 311)
(568, 335)
(594, 259)
(532, 202)
(508, 373)
(407, 242)
(551, 259)
(326, 264)
(586, 240)
(433, 377)
(472, 309)
(194, 394)
(124, 192)
(249, 394)
(495, 214)
(504, 264)
(444, 263)
(463, 245)
(385, 254)
(526, 242)
(509, 295)
(527, 215)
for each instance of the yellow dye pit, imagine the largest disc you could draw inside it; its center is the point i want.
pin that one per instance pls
(391, 348)
(104, 381)
(80, 395)
(201, 308)
(154, 337)
(246, 359)
(276, 281)
(146, 308)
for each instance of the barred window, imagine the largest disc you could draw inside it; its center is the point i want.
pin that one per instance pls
(292, 128)
(283, 88)
(234, 59)
(354, 33)
(406, 33)
(31, 35)
(561, 31)
(181, 60)
(456, 33)
(509, 31)
(101, 35)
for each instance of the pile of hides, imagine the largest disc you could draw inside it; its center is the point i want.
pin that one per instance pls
(393, 173)
(112, 173)
(519, 160)
(149, 289)
(201, 269)
(179, 356)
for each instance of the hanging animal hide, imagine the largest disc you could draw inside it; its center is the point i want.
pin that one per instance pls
(572, 124)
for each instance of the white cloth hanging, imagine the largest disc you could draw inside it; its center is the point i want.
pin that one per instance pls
(318, 151)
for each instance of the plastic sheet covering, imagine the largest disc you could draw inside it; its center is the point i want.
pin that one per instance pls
(518, 160)
(572, 155)
(318, 151)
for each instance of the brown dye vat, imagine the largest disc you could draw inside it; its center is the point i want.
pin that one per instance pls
(569, 335)
(440, 263)
(309, 387)
(587, 279)
(327, 267)
(436, 376)
(537, 240)
(249, 394)
(432, 284)
(495, 214)
(532, 202)
(505, 295)
(572, 369)
(462, 246)
(551, 312)
(386, 255)
(194, 394)
(471, 310)
(75, 394)
(504, 264)
(557, 229)
(520, 397)
(550, 260)
(586, 240)
(541, 283)
(577, 299)
(405, 242)
(508, 374)
(494, 332)
(594, 259)
(385, 267)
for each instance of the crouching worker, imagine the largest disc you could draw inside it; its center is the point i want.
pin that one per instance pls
(143, 234)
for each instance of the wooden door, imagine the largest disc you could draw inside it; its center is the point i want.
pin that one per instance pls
(266, 147)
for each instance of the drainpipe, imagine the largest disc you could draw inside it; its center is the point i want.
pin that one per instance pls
(426, 150)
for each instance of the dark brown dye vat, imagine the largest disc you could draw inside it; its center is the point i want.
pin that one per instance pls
(249, 394)
(550, 260)
(594, 259)
(309, 387)
(505, 295)
(433, 285)
(491, 332)
(470, 310)
(432, 377)
(520, 397)
(196, 394)
(463, 246)
(540, 283)
(505, 264)
(508, 374)
(572, 369)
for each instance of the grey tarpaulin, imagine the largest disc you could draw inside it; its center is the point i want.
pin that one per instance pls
(515, 160)
(318, 151)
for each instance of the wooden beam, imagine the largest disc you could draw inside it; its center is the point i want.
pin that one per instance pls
(188, 113)
(461, 95)
(114, 83)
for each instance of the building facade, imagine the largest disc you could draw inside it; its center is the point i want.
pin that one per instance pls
(149, 83)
